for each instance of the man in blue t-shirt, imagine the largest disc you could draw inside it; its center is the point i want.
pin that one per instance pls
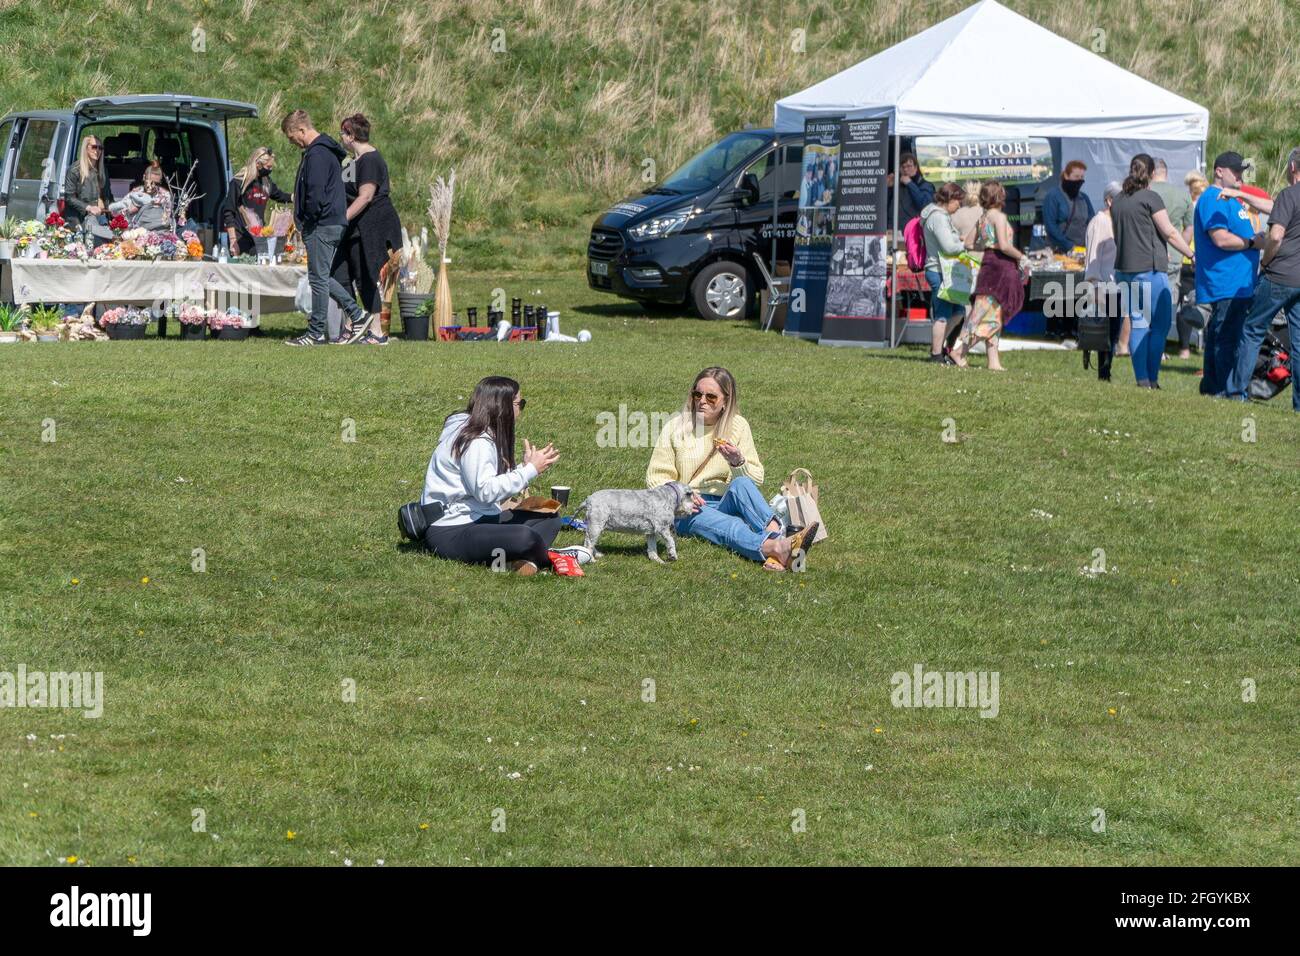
(1227, 261)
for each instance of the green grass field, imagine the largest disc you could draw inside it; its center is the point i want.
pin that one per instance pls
(478, 692)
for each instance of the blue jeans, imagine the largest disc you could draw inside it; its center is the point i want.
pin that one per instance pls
(1270, 298)
(1222, 340)
(322, 242)
(736, 520)
(1151, 314)
(940, 309)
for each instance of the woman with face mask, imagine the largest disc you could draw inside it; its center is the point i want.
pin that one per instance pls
(251, 189)
(1067, 210)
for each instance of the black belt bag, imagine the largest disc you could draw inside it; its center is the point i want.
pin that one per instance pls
(413, 519)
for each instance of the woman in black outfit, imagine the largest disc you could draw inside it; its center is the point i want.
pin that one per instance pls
(251, 189)
(373, 227)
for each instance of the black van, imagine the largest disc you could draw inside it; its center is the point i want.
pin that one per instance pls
(692, 237)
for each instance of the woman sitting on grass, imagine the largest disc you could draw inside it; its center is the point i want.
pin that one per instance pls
(708, 446)
(473, 470)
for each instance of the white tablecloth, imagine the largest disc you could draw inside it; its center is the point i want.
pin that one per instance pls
(254, 289)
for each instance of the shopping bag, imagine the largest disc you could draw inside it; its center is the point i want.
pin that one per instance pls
(334, 316)
(801, 498)
(959, 274)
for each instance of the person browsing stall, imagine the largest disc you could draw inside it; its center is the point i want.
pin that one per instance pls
(1142, 229)
(1279, 285)
(320, 207)
(373, 231)
(1227, 262)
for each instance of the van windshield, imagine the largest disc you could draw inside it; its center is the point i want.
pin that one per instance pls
(709, 167)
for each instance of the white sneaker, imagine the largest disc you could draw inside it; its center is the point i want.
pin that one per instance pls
(577, 552)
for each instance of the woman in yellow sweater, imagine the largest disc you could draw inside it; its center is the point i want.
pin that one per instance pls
(708, 445)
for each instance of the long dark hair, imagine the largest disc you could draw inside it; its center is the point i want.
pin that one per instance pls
(491, 412)
(1139, 173)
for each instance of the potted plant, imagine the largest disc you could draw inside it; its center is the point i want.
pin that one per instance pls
(125, 322)
(415, 325)
(11, 317)
(194, 322)
(414, 282)
(8, 233)
(45, 321)
(228, 324)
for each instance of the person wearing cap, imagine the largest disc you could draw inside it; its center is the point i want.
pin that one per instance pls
(1279, 285)
(1227, 260)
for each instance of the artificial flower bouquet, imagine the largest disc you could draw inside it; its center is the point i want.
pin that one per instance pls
(232, 318)
(125, 315)
(192, 315)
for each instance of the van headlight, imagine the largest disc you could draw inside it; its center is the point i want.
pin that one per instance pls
(661, 226)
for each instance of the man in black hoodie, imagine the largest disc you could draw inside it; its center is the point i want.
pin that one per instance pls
(320, 206)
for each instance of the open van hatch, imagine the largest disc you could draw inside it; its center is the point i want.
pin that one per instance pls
(163, 106)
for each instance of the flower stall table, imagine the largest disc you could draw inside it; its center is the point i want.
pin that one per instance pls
(253, 288)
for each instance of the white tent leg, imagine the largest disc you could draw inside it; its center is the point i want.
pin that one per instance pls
(894, 335)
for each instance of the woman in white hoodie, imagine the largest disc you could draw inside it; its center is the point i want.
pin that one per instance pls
(473, 470)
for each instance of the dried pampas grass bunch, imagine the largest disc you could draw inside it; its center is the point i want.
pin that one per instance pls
(441, 195)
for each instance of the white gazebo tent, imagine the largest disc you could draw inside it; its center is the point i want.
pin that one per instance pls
(990, 72)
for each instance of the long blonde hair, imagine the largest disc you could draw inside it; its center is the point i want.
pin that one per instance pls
(83, 159)
(730, 403)
(248, 172)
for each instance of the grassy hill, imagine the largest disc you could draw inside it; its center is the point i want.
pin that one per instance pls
(545, 131)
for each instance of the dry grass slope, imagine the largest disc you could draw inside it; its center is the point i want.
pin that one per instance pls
(548, 110)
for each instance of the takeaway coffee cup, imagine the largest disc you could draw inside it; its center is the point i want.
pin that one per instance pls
(560, 493)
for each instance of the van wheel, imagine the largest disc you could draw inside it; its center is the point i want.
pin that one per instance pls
(721, 291)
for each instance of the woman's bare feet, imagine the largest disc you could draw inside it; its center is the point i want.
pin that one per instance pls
(778, 548)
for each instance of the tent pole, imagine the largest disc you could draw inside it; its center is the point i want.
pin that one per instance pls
(776, 199)
(893, 257)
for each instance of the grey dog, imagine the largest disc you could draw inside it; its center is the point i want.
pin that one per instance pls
(649, 511)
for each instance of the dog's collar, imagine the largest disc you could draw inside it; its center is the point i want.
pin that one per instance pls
(681, 496)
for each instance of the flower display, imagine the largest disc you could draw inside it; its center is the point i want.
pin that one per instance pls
(194, 249)
(118, 223)
(125, 315)
(219, 319)
(54, 219)
(192, 315)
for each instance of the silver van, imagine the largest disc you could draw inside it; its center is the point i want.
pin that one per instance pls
(181, 132)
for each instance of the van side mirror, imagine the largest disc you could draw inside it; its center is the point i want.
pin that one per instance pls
(745, 193)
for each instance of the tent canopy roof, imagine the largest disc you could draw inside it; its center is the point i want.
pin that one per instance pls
(988, 71)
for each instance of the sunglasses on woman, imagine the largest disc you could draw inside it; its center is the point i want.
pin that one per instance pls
(711, 397)
(521, 402)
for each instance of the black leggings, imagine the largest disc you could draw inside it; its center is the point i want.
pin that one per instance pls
(512, 535)
(353, 271)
